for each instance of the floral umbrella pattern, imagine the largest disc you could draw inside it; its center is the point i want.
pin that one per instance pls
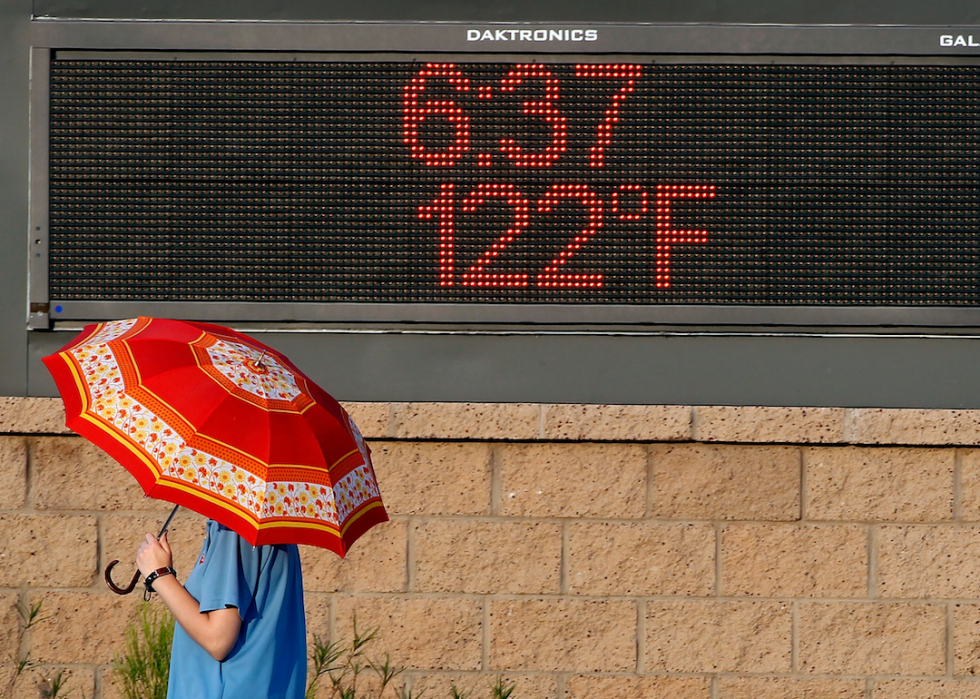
(326, 502)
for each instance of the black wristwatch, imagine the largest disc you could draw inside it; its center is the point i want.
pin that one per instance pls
(158, 573)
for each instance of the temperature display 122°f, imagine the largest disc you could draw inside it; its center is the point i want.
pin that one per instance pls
(515, 182)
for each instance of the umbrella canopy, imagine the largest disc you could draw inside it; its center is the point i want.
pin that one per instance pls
(210, 419)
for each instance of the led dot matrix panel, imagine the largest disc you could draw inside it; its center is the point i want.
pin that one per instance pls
(515, 182)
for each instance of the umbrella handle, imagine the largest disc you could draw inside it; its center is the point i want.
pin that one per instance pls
(136, 578)
(115, 588)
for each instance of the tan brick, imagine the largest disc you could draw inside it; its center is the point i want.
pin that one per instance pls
(423, 633)
(38, 682)
(32, 416)
(639, 559)
(317, 606)
(864, 638)
(479, 685)
(372, 419)
(934, 561)
(711, 481)
(879, 484)
(10, 626)
(913, 426)
(487, 557)
(638, 423)
(82, 627)
(122, 536)
(926, 689)
(970, 485)
(13, 472)
(47, 550)
(518, 421)
(760, 425)
(74, 474)
(718, 636)
(562, 635)
(572, 480)
(790, 560)
(596, 687)
(376, 563)
(966, 639)
(789, 688)
(441, 479)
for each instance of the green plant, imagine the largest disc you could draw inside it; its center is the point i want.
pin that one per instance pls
(342, 664)
(144, 669)
(30, 616)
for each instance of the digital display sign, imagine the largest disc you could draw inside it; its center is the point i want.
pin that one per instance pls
(531, 181)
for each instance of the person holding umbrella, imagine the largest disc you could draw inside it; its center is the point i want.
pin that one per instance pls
(210, 419)
(241, 626)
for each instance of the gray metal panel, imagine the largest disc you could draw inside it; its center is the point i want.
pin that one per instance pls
(752, 11)
(39, 188)
(526, 313)
(14, 139)
(459, 37)
(842, 371)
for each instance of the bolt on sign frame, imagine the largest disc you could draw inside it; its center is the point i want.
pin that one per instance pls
(536, 174)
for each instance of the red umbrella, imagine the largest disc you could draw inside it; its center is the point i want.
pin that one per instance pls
(210, 419)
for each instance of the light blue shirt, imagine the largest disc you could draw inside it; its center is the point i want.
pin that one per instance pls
(265, 583)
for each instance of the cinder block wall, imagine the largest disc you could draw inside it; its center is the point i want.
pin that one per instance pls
(579, 551)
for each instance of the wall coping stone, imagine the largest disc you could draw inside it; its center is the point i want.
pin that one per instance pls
(533, 422)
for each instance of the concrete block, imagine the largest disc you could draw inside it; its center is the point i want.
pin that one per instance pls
(573, 480)
(928, 561)
(711, 636)
(562, 635)
(792, 560)
(790, 688)
(47, 550)
(38, 682)
(618, 423)
(487, 557)
(479, 685)
(32, 416)
(641, 559)
(442, 633)
(636, 687)
(13, 472)
(433, 479)
(760, 425)
(969, 509)
(913, 426)
(966, 640)
(714, 481)
(879, 484)
(83, 627)
(926, 689)
(872, 638)
(508, 421)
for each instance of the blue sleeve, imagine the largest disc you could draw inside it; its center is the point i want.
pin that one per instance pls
(230, 572)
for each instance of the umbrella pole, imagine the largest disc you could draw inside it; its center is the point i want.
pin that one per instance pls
(169, 520)
(136, 578)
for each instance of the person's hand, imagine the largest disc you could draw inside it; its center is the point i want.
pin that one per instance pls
(154, 553)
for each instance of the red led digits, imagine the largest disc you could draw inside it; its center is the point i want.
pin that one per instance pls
(665, 237)
(414, 115)
(477, 275)
(634, 214)
(552, 276)
(545, 109)
(443, 208)
(628, 74)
